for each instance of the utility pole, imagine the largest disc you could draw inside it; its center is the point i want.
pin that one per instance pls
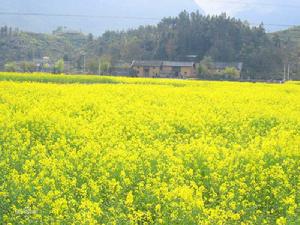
(288, 76)
(99, 68)
(83, 63)
(83, 55)
(284, 72)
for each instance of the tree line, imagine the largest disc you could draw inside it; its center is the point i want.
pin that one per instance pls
(221, 38)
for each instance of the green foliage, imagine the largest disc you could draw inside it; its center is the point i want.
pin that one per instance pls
(222, 38)
(92, 65)
(27, 66)
(207, 62)
(207, 70)
(11, 67)
(290, 42)
(59, 66)
(105, 64)
(24, 46)
(232, 72)
(201, 70)
(205, 67)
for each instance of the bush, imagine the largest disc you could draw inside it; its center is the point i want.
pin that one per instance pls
(232, 72)
(11, 67)
(27, 66)
(59, 66)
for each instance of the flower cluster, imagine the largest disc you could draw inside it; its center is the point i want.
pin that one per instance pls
(197, 153)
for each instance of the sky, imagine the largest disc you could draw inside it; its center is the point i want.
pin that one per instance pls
(272, 12)
(231, 7)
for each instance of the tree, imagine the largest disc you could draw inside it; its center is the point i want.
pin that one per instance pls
(232, 72)
(5, 30)
(90, 37)
(58, 30)
(27, 66)
(208, 62)
(66, 58)
(10, 31)
(11, 67)
(93, 65)
(105, 64)
(205, 66)
(59, 66)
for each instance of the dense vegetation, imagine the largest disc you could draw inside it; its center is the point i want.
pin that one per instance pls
(28, 48)
(289, 41)
(220, 37)
(146, 153)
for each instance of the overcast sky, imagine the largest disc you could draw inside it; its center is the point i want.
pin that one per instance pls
(233, 7)
(271, 12)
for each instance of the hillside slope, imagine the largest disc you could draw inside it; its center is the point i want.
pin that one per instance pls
(289, 40)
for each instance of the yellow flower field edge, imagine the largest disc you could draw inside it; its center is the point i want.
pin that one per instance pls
(211, 153)
(96, 79)
(87, 79)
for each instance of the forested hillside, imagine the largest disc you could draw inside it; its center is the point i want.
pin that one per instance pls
(289, 40)
(220, 37)
(19, 46)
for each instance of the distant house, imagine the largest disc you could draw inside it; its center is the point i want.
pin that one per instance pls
(147, 68)
(179, 69)
(121, 68)
(170, 69)
(117, 71)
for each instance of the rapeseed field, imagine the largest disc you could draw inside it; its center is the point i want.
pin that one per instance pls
(143, 151)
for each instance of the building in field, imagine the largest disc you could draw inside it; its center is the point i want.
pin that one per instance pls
(170, 69)
(147, 68)
(179, 69)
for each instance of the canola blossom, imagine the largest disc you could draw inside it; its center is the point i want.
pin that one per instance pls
(163, 152)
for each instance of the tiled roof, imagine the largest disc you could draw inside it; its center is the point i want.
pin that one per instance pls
(162, 63)
(147, 63)
(178, 64)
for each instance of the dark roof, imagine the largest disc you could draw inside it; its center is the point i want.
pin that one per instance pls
(178, 64)
(224, 65)
(162, 63)
(147, 63)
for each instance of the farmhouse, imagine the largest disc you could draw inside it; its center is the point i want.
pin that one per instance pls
(164, 69)
(178, 69)
(147, 68)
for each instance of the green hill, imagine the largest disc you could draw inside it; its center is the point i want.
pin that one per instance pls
(289, 41)
(291, 35)
(25, 46)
